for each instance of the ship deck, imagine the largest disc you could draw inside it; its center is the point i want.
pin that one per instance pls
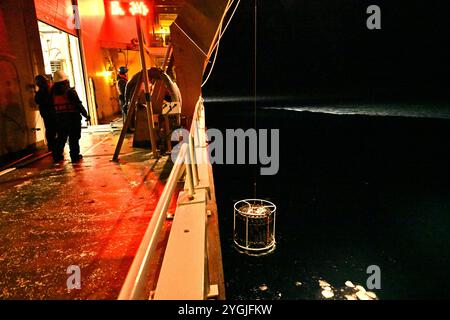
(92, 215)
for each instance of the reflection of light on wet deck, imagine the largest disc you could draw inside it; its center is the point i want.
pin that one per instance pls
(92, 214)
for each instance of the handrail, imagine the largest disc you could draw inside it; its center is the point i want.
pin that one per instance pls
(134, 285)
(136, 280)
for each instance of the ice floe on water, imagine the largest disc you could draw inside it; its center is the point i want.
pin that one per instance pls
(323, 283)
(349, 291)
(349, 284)
(315, 288)
(328, 294)
(263, 287)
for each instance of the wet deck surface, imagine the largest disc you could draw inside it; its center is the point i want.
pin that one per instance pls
(92, 215)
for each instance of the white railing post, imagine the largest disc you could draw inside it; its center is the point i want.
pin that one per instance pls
(193, 159)
(189, 178)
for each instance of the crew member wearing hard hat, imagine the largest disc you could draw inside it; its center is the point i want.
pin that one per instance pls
(122, 79)
(44, 101)
(68, 109)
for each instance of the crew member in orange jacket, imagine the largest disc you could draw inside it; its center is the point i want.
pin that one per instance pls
(68, 110)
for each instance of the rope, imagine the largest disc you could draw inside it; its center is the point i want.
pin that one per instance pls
(255, 77)
(196, 45)
(221, 33)
(214, 61)
(228, 23)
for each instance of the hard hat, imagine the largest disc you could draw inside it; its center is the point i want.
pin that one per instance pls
(123, 70)
(59, 76)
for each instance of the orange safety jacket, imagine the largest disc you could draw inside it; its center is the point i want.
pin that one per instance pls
(62, 104)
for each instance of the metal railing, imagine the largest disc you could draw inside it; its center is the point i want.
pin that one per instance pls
(135, 285)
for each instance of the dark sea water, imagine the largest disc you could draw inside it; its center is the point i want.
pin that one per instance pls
(358, 185)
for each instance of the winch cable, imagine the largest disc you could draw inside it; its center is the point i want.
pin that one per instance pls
(221, 33)
(214, 61)
(255, 83)
(190, 39)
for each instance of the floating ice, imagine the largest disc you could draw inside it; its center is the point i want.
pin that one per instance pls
(263, 287)
(360, 288)
(362, 296)
(323, 283)
(371, 294)
(328, 294)
(349, 284)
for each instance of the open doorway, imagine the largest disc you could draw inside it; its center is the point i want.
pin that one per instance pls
(61, 51)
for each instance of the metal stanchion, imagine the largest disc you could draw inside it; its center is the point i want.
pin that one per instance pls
(149, 108)
(189, 176)
(193, 160)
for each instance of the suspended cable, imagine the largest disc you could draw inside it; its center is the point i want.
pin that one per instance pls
(228, 23)
(217, 44)
(195, 44)
(255, 77)
(214, 61)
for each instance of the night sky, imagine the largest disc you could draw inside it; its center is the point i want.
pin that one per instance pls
(316, 48)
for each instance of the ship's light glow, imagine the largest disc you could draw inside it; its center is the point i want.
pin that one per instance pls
(134, 8)
(116, 9)
(105, 74)
(138, 7)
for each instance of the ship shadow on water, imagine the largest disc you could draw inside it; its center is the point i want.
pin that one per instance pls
(352, 191)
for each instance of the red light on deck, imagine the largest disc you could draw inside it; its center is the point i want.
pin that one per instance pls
(134, 8)
(138, 7)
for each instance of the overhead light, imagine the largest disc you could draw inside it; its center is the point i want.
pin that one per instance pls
(116, 9)
(138, 8)
(105, 74)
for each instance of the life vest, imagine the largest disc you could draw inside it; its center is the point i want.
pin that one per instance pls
(62, 104)
(122, 76)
